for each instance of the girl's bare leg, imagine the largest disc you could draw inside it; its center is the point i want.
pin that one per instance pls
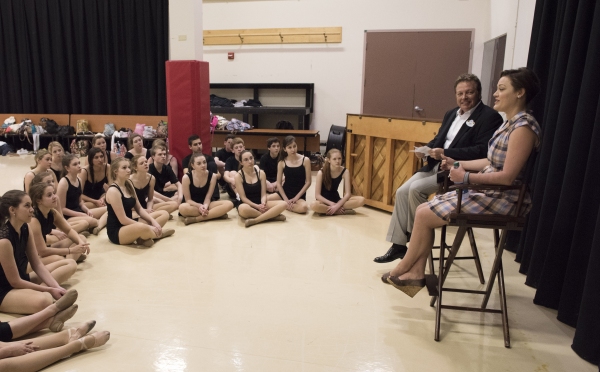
(170, 206)
(78, 225)
(354, 202)
(25, 301)
(101, 215)
(61, 271)
(130, 233)
(275, 209)
(216, 209)
(300, 207)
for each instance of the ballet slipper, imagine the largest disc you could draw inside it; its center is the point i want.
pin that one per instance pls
(74, 335)
(58, 321)
(166, 233)
(67, 300)
(100, 338)
(145, 242)
(189, 220)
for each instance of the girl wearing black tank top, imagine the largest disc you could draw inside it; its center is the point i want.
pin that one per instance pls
(144, 187)
(20, 292)
(96, 178)
(45, 219)
(121, 228)
(198, 187)
(57, 151)
(297, 171)
(329, 178)
(99, 141)
(69, 195)
(80, 226)
(251, 185)
(43, 161)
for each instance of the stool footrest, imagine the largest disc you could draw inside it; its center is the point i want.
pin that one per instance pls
(475, 309)
(464, 290)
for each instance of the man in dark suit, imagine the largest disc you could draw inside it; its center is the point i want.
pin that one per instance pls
(464, 135)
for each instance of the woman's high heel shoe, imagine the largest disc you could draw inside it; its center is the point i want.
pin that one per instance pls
(384, 277)
(410, 286)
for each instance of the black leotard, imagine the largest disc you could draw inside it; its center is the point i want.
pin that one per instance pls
(113, 225)
(295, 177)
(73, 197)
(253, 191)
(95, 190)
(19, 246)
(142, 194)
(57, 173)
(46, 223)
(333, 194)
(198, 194)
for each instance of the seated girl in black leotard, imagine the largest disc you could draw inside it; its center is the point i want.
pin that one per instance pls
(329, 178)
(198, 188)
(69, 195)
(45, 219)
(43, 161)
(99, 141)
(120, 200)
(296, 170)
(135, 142)
(57, 151)
(95, 177)
(80, 226)
(22, 293)
(251, 185)
(144, 187)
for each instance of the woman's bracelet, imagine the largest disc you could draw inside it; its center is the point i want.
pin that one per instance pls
(466, 178)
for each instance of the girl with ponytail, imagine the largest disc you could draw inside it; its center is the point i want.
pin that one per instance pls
(329, 178)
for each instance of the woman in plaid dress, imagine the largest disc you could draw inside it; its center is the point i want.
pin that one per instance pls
(509, 149)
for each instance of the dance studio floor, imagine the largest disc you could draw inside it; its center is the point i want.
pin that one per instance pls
(300, 295)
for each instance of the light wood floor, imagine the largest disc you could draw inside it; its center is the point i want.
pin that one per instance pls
(300, 295)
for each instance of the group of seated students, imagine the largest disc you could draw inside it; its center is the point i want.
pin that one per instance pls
(43, 229)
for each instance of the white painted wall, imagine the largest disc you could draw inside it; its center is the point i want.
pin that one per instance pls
(336, 69)
(185, 21)
(513, 18)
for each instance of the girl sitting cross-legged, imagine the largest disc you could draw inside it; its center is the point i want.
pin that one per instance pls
(20, 292)
(96, 178)
(296, 170)
(251, 185)
(120, 200)
(329, 178)
(69, 195)
(45, 219)
(198, 188)
(80, 226)
(143, 182)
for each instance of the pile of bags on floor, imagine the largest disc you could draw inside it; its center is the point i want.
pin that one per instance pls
(218, 122)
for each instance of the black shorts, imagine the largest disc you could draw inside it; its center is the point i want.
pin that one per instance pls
(6, 334)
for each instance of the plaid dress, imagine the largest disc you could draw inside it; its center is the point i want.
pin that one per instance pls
(491, 202)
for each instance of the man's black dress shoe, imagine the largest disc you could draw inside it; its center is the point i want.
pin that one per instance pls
(395, 252)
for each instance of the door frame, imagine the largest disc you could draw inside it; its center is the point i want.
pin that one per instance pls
(362, 84)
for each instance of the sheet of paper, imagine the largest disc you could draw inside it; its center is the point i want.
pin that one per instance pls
(423, 150)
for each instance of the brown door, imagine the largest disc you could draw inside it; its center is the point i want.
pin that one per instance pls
(411, 74)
